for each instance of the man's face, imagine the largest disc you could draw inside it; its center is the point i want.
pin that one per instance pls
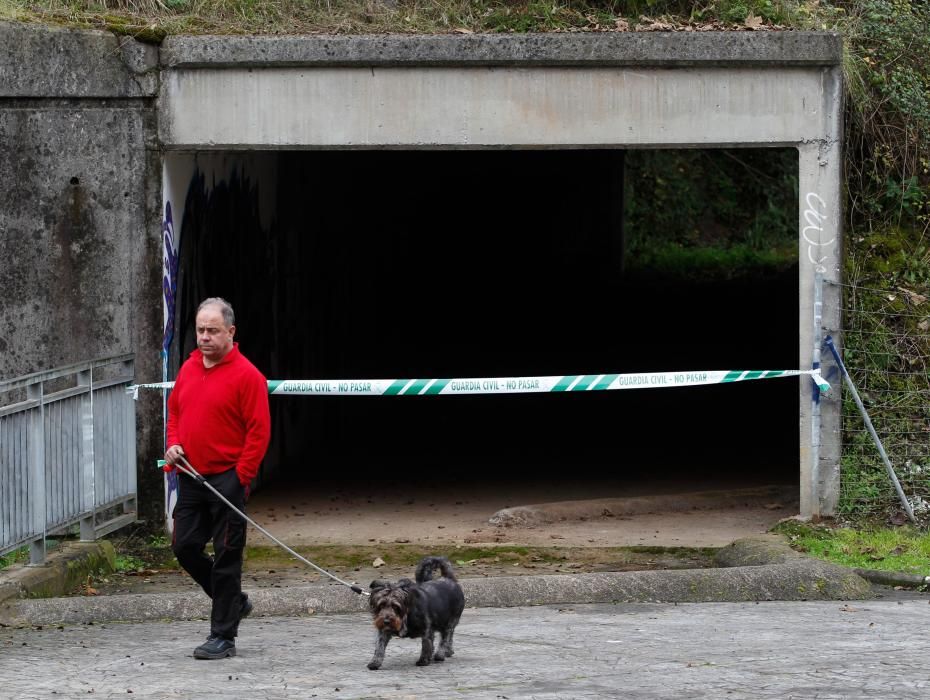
(214, 337)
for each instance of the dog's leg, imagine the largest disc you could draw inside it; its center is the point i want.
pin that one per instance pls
(426, 650)
(446, 646)
(381, 642)
(440, 653)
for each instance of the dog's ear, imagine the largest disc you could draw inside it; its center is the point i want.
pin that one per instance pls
(378, 584)
(406, 584)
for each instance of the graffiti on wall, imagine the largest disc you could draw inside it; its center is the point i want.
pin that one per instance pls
(814, 215)
(817, 253)
(170, 277)
(169, 286)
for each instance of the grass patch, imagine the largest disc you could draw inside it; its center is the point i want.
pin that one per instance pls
(903, 549)
(343, 557)
(152, 20)
(127, 562)
(351, 556)
(17, 556)
(699, 264)
(137, 551)
(21, 555)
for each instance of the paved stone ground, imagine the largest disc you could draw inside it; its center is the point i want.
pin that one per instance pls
(874, 649)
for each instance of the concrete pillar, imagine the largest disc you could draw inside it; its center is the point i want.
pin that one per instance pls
(820, 226)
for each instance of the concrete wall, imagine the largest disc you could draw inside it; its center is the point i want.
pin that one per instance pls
(79, 235)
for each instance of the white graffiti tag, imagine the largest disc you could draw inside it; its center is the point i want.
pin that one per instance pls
(814, 215)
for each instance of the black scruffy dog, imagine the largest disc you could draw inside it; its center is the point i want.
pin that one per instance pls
(418, 609)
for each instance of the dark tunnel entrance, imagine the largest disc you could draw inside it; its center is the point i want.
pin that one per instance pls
(403, 264)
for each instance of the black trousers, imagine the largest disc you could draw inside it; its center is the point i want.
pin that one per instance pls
(199, 517)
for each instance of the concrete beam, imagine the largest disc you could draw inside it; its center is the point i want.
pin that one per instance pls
(236, 108)
(666, 49)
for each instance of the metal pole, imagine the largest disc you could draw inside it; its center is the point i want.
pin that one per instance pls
(815, 396)
(37, 486)
(88, 465)
(871, 429)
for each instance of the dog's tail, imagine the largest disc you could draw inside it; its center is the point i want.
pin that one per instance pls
(426, 568)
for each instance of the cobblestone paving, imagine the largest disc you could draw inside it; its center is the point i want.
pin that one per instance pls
(874, 649)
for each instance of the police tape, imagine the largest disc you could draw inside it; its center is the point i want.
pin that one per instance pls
(512, 385)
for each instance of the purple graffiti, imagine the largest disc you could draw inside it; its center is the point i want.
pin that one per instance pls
(170, 278)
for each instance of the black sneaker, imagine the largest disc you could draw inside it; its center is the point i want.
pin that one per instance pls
(215, 647)
(245, 608)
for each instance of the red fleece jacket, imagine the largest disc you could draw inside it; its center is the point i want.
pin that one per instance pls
(220, 415)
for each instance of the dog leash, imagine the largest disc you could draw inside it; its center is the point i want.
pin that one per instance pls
(194, 474)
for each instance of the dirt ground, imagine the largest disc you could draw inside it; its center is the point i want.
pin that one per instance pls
(346, 529)
(444, 514)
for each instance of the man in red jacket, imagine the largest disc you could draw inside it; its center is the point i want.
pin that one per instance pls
(218, 419)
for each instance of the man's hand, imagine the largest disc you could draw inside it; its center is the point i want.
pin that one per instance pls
(173, 453)
(246, 488)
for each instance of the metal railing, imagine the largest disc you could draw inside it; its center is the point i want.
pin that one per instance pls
(67, 454)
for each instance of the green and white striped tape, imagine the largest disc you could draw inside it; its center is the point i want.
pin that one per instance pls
(512, 385)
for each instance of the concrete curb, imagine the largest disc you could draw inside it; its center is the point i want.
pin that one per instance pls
(760, 550)
(61, 573)
(893, 578)
(789, 577)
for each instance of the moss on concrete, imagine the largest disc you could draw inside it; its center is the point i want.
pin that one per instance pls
(62, 573)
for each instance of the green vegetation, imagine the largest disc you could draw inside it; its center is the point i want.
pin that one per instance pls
(345, 557)
(17, 556)
(888, 208)
(711, 214)
(349, 557)
(886, 349)
(139, 550)
(21, 555)
(128, 562)
(151, 20)
(904, 549)
(159, 542)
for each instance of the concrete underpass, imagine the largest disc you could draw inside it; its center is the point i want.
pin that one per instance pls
(384, 223)
(481, 264)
